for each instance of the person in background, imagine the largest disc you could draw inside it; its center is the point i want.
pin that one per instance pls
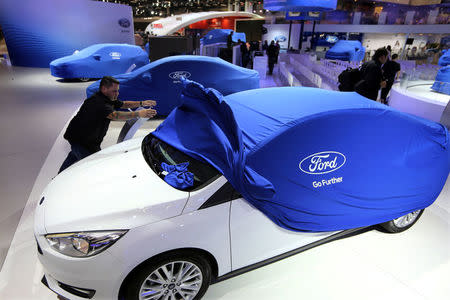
(230, 40)
(277, 44)
(272, 54)
(390, 73)
(245, 54)
(265, 46)
(87, 129)
(372, 75)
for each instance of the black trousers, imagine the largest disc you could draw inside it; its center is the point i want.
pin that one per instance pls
(78, 152)
(385, 91)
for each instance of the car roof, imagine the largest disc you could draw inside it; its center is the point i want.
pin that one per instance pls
(263, 114)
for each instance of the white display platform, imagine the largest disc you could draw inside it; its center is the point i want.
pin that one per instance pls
(418, 99)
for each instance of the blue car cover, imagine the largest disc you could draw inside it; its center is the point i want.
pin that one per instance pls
(312, 159)
(221, 35)
(161, 79)
(346, 50)
(99, 60)
(444, 60)
(442, 81)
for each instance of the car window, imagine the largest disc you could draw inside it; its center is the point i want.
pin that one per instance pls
(157, 152)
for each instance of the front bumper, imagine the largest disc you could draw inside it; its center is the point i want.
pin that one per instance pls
(96, 277)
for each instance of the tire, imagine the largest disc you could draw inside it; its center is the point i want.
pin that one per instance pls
(402, 223)
(156, 279)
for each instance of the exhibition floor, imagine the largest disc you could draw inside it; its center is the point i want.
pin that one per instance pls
(373, 265)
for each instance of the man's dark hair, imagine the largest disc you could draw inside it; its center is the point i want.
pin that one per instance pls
(108, 81)
(379, 53)
(394, 56)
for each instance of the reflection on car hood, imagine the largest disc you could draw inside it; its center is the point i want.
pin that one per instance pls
(112, 189)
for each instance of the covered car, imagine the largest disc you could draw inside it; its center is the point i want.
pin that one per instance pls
(444, 60)
(221, 35)
(99, 60)
(442, 81)
(347, 51)
(161, 79)
(312, 159)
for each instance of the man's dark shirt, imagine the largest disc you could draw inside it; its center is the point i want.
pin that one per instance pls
(390, 68)
(90, 124)
(371, 78)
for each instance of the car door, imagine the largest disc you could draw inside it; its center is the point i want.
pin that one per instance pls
(254, 237)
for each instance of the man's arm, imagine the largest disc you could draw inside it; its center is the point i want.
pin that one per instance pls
(125, 115)
(136, 104)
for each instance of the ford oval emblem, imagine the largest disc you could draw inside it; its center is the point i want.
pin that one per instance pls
(322, 162)
(280, 38)
(124, 22)
(179, 74)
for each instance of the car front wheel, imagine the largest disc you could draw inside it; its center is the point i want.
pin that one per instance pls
(171, 277)
(402, 223)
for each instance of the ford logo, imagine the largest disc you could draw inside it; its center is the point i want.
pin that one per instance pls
(322, 162)
(179, 74)
(124, 22)
(115, 54)
(280, 38)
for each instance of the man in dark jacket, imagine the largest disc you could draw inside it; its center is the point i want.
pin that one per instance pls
(372, 75)
(272, 54)
(87, 129)
(390, 70)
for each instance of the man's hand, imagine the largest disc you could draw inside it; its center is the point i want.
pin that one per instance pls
(383, 84)
(150, 103)
(147, 113)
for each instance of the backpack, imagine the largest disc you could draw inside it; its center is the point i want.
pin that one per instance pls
(348, 78)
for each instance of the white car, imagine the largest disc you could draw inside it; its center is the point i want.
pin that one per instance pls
(111, 227)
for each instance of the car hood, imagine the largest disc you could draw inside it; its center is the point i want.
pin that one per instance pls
(112, 189)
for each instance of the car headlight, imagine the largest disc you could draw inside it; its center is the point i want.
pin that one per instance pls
(83, 244)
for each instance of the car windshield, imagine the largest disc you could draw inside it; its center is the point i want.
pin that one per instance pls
(157, 152)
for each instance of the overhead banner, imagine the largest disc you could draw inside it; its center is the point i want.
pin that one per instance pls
(38, 32)
(300, 5)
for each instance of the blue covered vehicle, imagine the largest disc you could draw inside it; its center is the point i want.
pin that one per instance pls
(221, 35)
(347, 51)
(444, 60)
(442, 81)
(161, 79)
(99, 60)
(313, 160)
(200, 198)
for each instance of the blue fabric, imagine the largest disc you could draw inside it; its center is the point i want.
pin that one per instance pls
(160, 80)
(442, 81)
(147, 48)
(221, 35)
(99, 60)
(444, 60)
(312, 159)
(346, 50)
(178, 175)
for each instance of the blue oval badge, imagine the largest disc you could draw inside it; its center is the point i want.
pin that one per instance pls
(124, 22)
(322, 162)
(179, 74)
(280, 38)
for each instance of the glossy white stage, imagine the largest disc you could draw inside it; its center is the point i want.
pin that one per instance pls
(374, 265)
(417, 98)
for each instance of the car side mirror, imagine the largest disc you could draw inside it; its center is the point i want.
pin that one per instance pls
(97, 57)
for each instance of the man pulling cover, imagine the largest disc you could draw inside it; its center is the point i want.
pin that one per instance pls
(87, 129)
